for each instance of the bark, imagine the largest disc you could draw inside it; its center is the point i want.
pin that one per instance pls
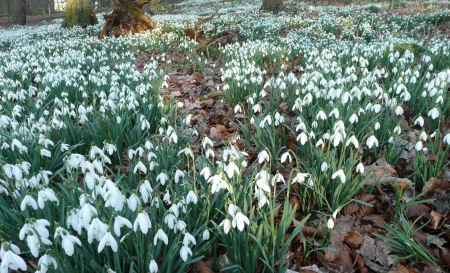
(127, 17)
(18, 10)
(4, 7)
(79, 13)
(272, 6)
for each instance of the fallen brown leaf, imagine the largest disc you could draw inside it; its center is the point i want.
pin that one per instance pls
(445, 256)
(436, 219)
(417, 210)
(400, 269)
(353, 239)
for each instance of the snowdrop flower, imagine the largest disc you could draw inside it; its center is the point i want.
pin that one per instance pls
(166, 197)
(324, 167)
(360, 168)
(300, 178)
(321, 115)
(206, 235)
(45, 153)
(240, 220)
(180, 226)
(263, 156)
(434, 113)
(45, 261)
(330, 223)
(141, 167)
(231, 169)
(142, 221)
(285, 156)
(146, 190)
(191, 198)
(170, 220)
(376, 126)
(372, 140)
(262, 180)
(46, 194)
(133, 201)
(11, 259)
(28, 201)
(119, 222)
(188, 238)
(34, 243)
(423, 136)
(339, 174)
(107, 240)
(18, 144)
(226, 225)
(185, 251)
(398, 110)
(418, 146)
(178, 174)
(161, 236)
(153, 267)
(353, 140)
(302, 138)
(446, 139)
(96, 230)
(68, 241)
(353, 118)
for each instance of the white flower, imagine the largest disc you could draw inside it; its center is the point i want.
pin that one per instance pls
(143, 221)
(300, 178)
(133, 201)
(206, 235)
(28, 201)
(11, 260)
(188, 238)
(447, 139)
(231, 169)
(330, 223)
(207, 141)
(302, 138)
(398, 110)
(178, 174)
(371, 141)
(185, 251)
(206, 172)
(96, 230)
(67, 243)
(46, 153)
(285, 156)
(418, 146)
(153, 267)
(226, 225)
(180, 225)
(162, 178)
(161, 236)
(360, 168)
(141, 167)
(45, 261)
(191, 197)
(419, 121)
(240, 220)
(146, 190)
(170, 220)
(263, 156)
(262, 180)
(107, 240)
(119, 222)
(434, 113)
(46, 194)
(321, 115)
(376, 126)
(353, 118)
(352, 140)
(339, 174)
(324, 166)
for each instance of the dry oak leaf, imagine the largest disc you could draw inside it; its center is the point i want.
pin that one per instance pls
(353, 239)
(376, 254)
(438, 185)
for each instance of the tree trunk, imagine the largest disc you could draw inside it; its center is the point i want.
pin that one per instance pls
(127, 17)
(18, 12)
(79, 13)
(4, 8)
(272, 6)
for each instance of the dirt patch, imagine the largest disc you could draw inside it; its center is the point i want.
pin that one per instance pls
(35, 19)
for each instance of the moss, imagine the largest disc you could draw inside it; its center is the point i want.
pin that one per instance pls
(79, 14)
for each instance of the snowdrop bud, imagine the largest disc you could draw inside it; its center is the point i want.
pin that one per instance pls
(418, 146)
(153, 267)
(324, 167)
(330, 223)
(206, 235)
